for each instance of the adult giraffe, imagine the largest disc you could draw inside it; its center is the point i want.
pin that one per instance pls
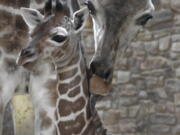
(57, 40)
(115, 24)
(13, 37)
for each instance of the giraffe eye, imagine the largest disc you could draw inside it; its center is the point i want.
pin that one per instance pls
(59, 38)
(91, 7)
(142, 20)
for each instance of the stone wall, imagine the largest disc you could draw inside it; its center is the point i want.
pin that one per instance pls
(146, 95)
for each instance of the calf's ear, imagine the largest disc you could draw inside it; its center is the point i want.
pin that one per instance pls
(31, 16)
(80, 18)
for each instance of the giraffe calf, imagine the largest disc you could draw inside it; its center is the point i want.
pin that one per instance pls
(54, 40)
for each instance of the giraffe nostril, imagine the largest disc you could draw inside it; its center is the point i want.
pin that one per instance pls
(93, 67)
(107, 74)
(27, 52)
(142, 20)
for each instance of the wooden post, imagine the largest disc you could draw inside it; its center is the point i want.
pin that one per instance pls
(23, 115)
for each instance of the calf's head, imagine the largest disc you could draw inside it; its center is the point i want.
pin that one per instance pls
(53, 36)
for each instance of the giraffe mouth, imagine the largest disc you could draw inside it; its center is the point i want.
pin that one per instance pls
(27, 55)
(22, 60)
(99, 86)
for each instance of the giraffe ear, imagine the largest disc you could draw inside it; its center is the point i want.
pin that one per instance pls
(31, 16)
(80, 18)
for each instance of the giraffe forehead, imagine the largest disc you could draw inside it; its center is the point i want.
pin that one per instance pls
(50, 25)
(41, 28)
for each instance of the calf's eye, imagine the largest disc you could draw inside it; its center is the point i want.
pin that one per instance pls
(59, 38)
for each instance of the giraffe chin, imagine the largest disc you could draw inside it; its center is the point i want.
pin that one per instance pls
(99, 86)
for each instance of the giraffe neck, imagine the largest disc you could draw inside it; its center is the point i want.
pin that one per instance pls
(72, 114)
(13, 33)
(13, 30)
(73, 104)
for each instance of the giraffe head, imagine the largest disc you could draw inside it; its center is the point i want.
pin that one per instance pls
(115, 23)
(52, 34)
